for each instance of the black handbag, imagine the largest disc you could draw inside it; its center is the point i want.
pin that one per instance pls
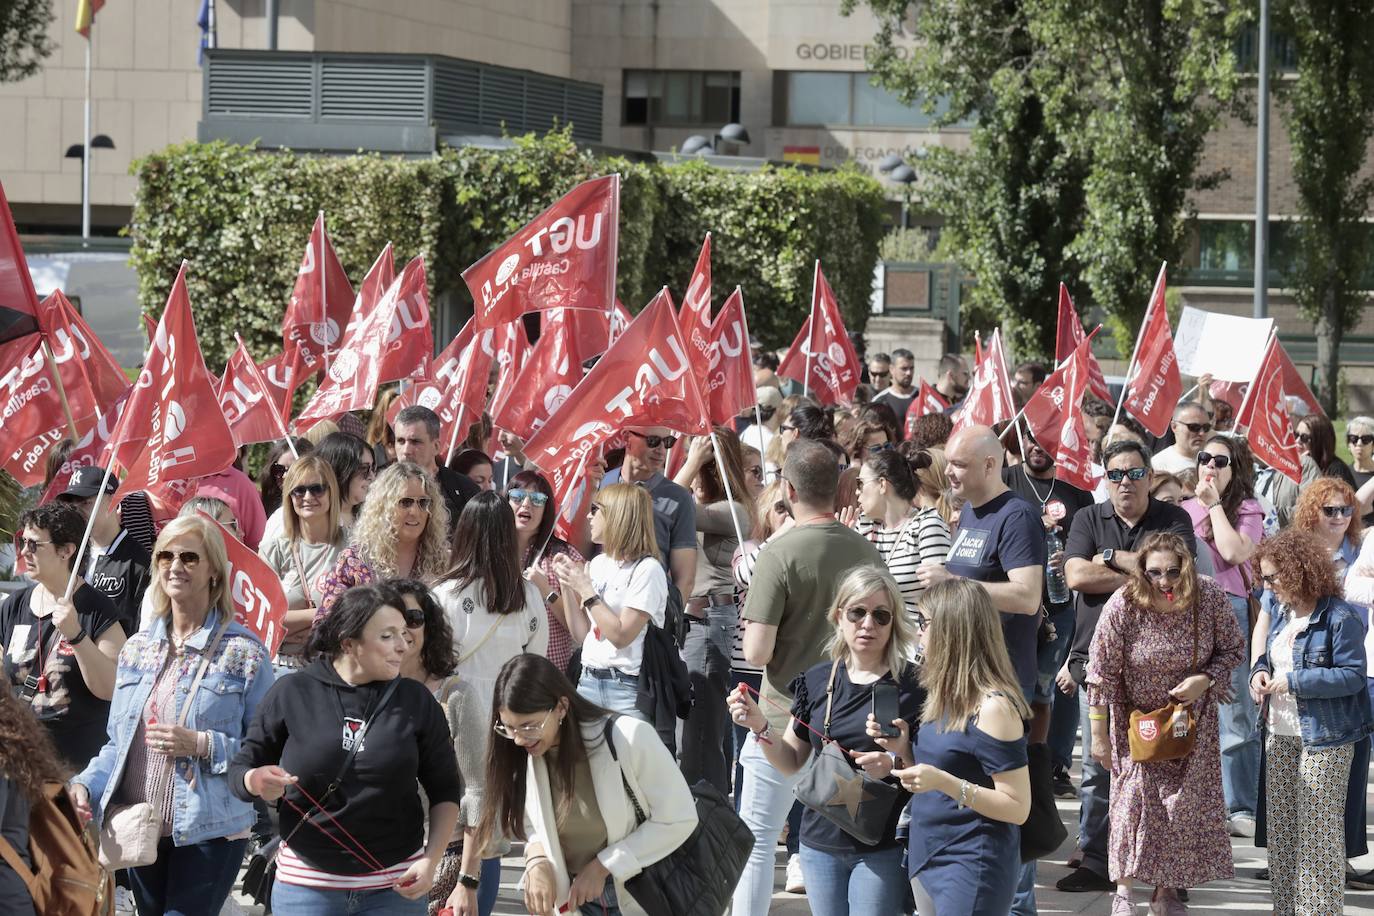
(699, 877)
(855, 802)
(1044, 829)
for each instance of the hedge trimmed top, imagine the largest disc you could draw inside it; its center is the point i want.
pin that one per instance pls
(242, 216)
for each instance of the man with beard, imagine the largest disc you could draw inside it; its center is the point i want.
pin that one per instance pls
(900, 392)
(952, 381)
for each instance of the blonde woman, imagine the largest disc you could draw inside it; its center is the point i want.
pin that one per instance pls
(621, 591)
(402, 533)
(872, 640)
(971, 783)
(304, 555)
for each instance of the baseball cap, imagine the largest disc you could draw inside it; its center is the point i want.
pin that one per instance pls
(85, 483)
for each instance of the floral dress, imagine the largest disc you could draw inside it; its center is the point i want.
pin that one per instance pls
(1168, 818)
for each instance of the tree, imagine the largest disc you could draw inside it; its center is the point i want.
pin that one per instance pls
(1329, 113)
(24, 39)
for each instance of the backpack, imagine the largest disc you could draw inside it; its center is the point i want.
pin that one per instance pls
(67, 878)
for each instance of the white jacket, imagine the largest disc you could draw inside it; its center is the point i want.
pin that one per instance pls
(657, 782)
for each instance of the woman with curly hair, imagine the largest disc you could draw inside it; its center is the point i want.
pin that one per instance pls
(28, 760)
(1168, 635)
(402, 532)
(1312, 682)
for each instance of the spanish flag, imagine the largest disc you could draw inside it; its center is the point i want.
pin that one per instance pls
(85, 15)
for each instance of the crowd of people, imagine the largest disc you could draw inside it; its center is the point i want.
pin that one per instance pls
(857, 623)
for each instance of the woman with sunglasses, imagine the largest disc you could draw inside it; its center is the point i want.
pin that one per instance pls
(900, 518)
(1359, 437)
(863, 439)
(1317, 440)
(536, 510)
(304, 555)
(172, 754)
(753, 471)
(402, 532)
(354, 470)
(1312, 679)
(1168, 635)
(1229, 524)
(341, 747)
(874, 639)
(59, 655)
(273, 473)
(554, 782)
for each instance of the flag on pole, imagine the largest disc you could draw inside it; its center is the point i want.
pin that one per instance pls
(695, 317)
(246, 398)
(1055, 417)
(821, 356)
(18, 301)
(85, 15)
(254, 590)
(928, 400)
(989, 396)
(1069, 334)
(729, 387)
(321, 302)
(1264, 416)
(1153, 390)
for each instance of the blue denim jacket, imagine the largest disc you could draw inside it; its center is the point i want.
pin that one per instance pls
(235, 682)
(1328, 678)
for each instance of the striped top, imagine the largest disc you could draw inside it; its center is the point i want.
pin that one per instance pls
(743, 567)
(923, 538)
(292, 869)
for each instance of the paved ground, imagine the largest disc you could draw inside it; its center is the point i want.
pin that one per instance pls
(1241, 896)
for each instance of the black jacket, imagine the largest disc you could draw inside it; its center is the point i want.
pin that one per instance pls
(302, 725)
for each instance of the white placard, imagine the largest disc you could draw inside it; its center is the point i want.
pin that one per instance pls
(1228, 346)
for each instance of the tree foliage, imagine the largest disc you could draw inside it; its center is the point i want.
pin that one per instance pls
(24, 39)
(242, 217)
(1329, 114)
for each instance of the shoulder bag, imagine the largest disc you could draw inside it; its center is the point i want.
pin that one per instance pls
(699, 877)
(1169, 732)
(129, 834)
(855, 802)
(66, 878)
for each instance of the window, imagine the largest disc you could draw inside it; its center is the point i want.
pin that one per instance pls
(1225, 252)
(812, 99)
(1283, 51)
(658, 97)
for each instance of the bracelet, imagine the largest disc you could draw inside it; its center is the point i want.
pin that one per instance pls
(532, 859)
(973, 799)
(202, 744)
(763, 733)
(1098, 717)
(963, 793)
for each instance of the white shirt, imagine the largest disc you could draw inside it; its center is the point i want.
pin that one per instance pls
(486, 640)
(641, 584)
(1283, 707)
(757, 437)
(1171, 462)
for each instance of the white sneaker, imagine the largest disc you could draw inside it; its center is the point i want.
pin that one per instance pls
(1241, 824)
(794, 883)
(124, 902)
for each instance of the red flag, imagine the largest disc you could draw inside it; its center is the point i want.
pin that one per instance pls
(547, 378)
(246, 399)
(989, 396)
(1069, 336)
(1264, 416)
(91, 450)
(255, 591)
(393, 341)
(620, 318)
(644, 379)
(564, 257)
(1154, 387)
(730, 381)
(928, 400)
(1055, 416)
(822, 347)
(589, 332)
(90, 374)
(172, 430)
(1232, 393)
(512, 352)
(320, 303)
(18, 301)
(430, 392)
(695, 317)
(149, 327)
(1295, 386)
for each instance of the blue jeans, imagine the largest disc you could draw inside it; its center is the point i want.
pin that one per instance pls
(1240, 750)
(294, 900)
(764, 802)
(707, 656)
(616, 692)
(188, 880)
(838, 883)
(1023, 902)
(1063, 729)
(1094, 794)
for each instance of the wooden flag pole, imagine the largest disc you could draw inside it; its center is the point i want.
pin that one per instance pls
(61, 389)
(806, 376)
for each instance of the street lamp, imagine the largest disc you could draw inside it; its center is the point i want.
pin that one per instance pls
(78, 151)
(697, 144)
(904, 175)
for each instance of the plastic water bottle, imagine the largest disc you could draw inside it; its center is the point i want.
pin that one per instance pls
(1054, 576)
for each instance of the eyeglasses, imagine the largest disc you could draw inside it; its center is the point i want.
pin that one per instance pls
(860, 482)
(880, 448)
(1338, 511)
(29, 545)
(278, 472)
(1196, 427)
(411, 502)
(1352, 439)
(783, 508)
(920, 621)
(755, 471)
(881, 615)
(308, 489)
(516, 495)
(1269, 580)
(367, 471)
(415, 617)
(522, 731)
(164, 558)
(1207, 459)
(1304, 438)
(1115, 475)
(1157, 575)
(655, 441)
(787, 428)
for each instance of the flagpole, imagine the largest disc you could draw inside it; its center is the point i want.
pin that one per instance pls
(324, 295)
(725, 479)
(267, 396)
(806, 376)
(581, 469)
(758, 417)
(115, 442)
(86, 153)
(457, 425)
(61, 389)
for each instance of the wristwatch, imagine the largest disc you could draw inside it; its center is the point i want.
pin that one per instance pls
(551, 597)
(76, 640)
(469, 881)
(1109, 559)
(587, 604)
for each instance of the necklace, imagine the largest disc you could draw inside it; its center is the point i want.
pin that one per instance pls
(1036, 490)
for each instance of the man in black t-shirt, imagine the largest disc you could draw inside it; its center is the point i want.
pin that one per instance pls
(901, 392)
(115, 563)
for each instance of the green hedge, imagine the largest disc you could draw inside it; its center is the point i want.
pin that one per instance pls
(242, 216)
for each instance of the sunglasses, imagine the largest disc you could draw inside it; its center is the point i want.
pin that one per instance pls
(1207, 459)
(755, 471)
(1116, 475)
(787, 428)
(411, 502)
(1269, 580)
(1304, 438)
(782, 507)
(278, 472)
(1156, 575)
(1338, 511)
(516, 495)
(881, 615)
(521, 731)
(29, 545)
(308, 489)
(1353, 439)
(367, 471)
(861, 482)
(880, 448)
(415, 618)
(656, 441)
(164, 558)
(1197, 427)
(593, 510)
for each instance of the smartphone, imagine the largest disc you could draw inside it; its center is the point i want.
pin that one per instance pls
(885, 708)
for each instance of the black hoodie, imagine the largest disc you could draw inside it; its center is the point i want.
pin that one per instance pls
(301, 725)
